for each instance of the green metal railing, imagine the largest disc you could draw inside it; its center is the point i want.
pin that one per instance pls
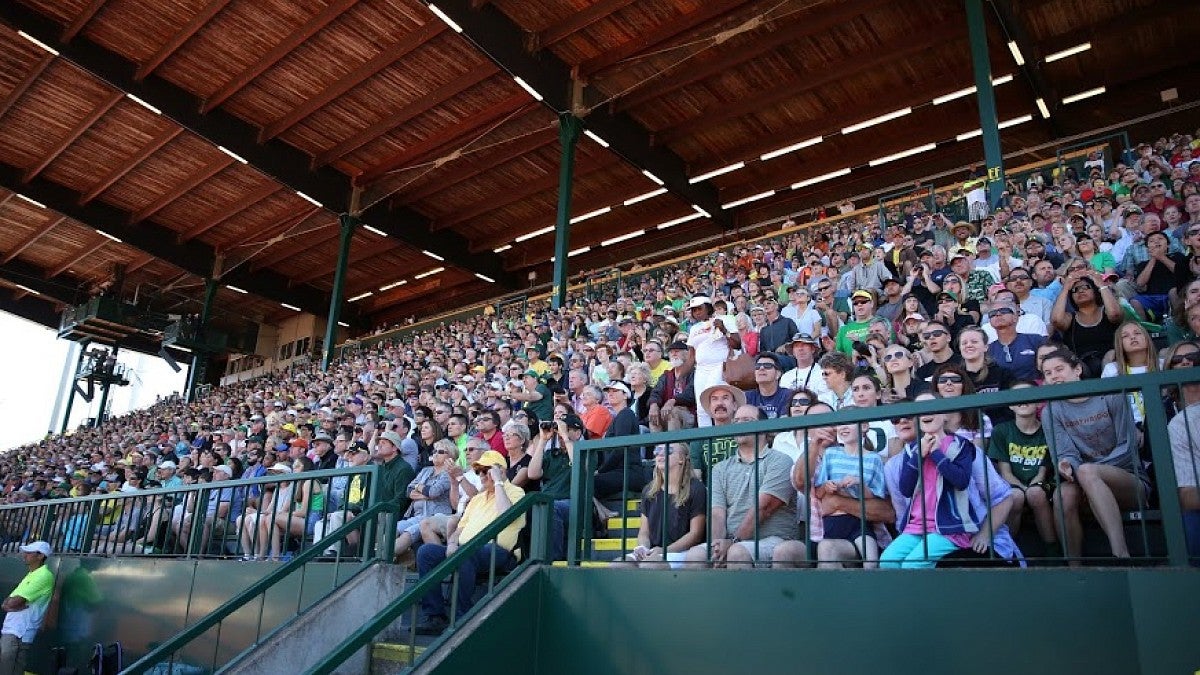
(1149, 386)
(376, 524)
(535, 505)
(174, 521)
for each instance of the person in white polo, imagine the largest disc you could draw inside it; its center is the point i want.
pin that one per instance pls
(710, 340)
(26, 608)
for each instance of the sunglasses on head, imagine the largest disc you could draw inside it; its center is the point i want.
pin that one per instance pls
(950, 379)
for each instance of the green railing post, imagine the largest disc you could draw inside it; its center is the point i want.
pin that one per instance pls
(200, 355)
(573, 528)
(347, 223)
(1168, 484)
(986, 98)
(569, 128)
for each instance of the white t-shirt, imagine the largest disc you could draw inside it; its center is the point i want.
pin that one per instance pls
(795, 379)
(712, 349)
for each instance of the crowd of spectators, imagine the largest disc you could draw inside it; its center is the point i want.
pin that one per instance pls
(1082, 272)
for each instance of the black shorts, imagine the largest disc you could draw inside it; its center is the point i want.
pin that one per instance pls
(845, 526)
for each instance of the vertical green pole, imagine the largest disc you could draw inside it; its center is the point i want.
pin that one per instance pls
(104, 389)
(71, 394)
(568, 133)
(1167, 481)
(199, 355)
(981, 64)
(348, 223)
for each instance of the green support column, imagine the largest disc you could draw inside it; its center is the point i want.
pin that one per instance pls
(981, 64)
(200, 357)
(348, 223)
(104, 389)
(74, 380)
(569, 128)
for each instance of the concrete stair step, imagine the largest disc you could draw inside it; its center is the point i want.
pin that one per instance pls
(390, 658)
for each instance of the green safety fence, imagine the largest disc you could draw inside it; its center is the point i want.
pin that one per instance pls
(185, 521)
(1149, 388)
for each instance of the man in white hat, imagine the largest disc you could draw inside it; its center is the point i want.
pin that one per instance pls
(26, 608)
(709, 343)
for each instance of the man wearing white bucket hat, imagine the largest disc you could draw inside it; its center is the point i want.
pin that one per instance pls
(709, 341)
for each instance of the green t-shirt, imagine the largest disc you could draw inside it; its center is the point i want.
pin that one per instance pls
(1025, 453)
(556, 474)
(1101, 260)
(37, 588)
(707, 452)
(544, 408)
(851, 332)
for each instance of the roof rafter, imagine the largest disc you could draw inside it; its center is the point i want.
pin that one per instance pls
(420, 105)
(180, 38)
(282, 253)
(820, 20)
(1014, 29)
(22, 86)
(210, 169)
(227, 211)
(497, 36)
(76, 258)
(130, 163)
(368, 247)
(577, 22)
(275, 159)
(383, 59)
(81, 20)
(704, 13)
(892, 51)
(73, 135)
(33, 238)
(309, 28)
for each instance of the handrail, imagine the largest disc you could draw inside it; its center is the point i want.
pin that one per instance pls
(177, 642)
(1149, 384)
(432, 581)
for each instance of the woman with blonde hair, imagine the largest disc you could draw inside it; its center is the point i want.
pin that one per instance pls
(674, 481)
(1133, 353)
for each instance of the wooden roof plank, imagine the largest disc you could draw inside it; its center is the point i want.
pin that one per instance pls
(825, 19)
(231, 210)
(177, 40)
(482, 163)
(583, 167)
(76, 258)
(212, 168)
(135, 265)
(81, 20)
(708, 11)
(364, 253)
(310, 28)
(578, 21)
(443, 143)
(421, 105)
(130, 163)
(896, 49)
(25, 83)
(32, 239)
(300, 245)
(72, 136)
(382, 60)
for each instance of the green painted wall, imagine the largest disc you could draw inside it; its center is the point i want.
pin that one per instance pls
(142, 601)
(605, 622)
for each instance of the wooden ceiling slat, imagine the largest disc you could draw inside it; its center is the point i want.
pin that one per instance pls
(231, 210)
(793, 31)
(285, 224)
(422, 105)
(707, 11)
(81, 20)
(897, 49)
(365, 252)
(130, 163)
(209, 170)
(310, 28)
(72, 136)
(299, 245)
(578, 21)
(529, 188)
(481, 163)
(179, 38)
(385, 58)
(447, 140)
(401, 293)
(77, 258)
(25, 83)
(138, 264)
(32, 239)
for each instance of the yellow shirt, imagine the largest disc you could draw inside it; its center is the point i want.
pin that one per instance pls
(657, 371)
(481, 512)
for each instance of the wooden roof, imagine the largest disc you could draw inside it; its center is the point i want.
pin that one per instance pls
(245, 112)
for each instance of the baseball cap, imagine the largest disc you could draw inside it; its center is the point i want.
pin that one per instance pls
(619, 386)
(280, 467)
(491, 458)
(37, 547)
(168, 465)
(225, 469)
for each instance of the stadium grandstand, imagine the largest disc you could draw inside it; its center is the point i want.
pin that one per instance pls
(565, 337)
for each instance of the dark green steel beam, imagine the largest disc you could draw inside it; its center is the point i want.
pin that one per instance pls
(200, 357)
(503, 41)
(347, 223)
(275, 159)
(569, 128)
(986, 98)
(193, 256)
(1014, 28)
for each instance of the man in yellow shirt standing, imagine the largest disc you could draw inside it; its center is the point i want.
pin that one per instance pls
(495, 496)
(26, 608)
